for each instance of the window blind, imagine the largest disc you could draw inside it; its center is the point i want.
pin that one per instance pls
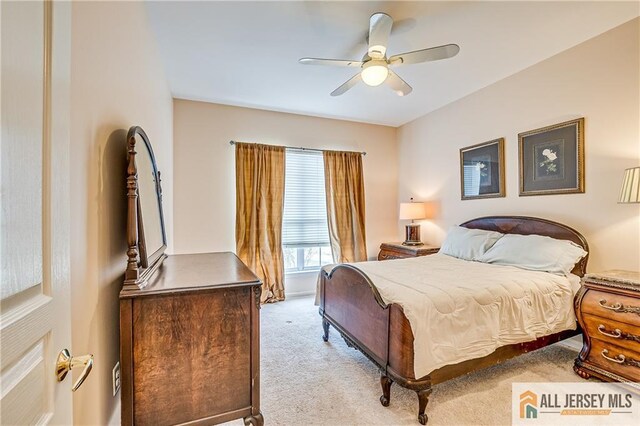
(304, 222)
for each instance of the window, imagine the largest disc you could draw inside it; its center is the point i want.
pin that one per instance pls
(305, 233)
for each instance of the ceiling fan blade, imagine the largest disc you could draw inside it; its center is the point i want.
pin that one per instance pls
(330, 62)
(425, 55)
(379, 29)
(402, 26)
(347, 85)
(398, 85)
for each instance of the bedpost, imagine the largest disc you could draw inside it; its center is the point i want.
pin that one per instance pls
(386, 383)
(325, 328)
(423, 399)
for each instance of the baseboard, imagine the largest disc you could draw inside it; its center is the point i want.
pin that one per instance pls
(299, 294)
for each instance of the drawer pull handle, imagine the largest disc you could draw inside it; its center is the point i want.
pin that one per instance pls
(618, 359)
(385, 256)
(619, 307)
(616, 333)
(621, 359)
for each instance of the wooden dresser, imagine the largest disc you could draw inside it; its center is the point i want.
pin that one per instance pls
(399, 251)
(190, 343)
(608, 310)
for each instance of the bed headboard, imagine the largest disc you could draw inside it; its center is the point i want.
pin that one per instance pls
(524, 225)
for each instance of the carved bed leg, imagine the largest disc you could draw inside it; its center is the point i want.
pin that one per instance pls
(423, 399)
(255, 420)
(386, 383)
(325, 327)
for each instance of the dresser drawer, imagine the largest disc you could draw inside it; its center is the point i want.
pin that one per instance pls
(615, 332)
(614, 306)
(615, 359)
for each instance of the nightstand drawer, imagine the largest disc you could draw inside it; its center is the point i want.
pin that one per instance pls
(615, 332)
(611, 305)
(385, 255)
(615, 359)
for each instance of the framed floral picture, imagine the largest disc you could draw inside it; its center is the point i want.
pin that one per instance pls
(482, 170)
(552, 159)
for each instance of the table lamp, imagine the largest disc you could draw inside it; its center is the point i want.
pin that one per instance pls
(630, 192)
(412, 211)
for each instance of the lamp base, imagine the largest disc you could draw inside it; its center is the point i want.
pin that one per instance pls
(412, 243)
(412, 235)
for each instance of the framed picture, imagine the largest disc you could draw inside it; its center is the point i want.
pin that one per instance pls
(482, 170)
(552, 159)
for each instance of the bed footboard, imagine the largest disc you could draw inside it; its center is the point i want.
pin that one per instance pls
(352, 305)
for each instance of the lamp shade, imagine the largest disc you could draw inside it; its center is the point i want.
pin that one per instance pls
(412, 211)
(630, 192)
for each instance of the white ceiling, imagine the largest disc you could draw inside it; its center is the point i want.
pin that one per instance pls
(246, 53)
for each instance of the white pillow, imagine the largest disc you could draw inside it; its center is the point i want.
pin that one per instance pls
(535, 252)
(468, 244)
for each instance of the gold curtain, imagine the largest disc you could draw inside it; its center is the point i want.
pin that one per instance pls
(344, 186)
(259, 204)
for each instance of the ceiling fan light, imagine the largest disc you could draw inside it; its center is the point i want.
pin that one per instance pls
(374, 74)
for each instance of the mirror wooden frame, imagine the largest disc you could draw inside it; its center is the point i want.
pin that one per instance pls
(140, 265)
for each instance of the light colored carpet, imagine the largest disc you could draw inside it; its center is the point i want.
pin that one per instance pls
(306, 381)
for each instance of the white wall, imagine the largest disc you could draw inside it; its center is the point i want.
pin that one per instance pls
(598, 80)
(204, 167)
(116, 82)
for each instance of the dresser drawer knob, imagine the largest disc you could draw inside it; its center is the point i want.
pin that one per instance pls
(619, 307)
(616, 333)
(619, 359)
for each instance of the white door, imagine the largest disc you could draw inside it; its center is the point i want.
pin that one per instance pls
(34, 211)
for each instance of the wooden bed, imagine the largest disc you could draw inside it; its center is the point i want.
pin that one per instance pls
(352, 305)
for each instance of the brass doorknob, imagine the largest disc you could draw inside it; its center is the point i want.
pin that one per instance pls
(66, 363)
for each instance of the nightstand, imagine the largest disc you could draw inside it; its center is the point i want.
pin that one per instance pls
(608, 310)
(399, 251)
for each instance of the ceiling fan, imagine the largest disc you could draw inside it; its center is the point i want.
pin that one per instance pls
(375, 66)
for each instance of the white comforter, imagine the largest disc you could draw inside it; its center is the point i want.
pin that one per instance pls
(460, 310)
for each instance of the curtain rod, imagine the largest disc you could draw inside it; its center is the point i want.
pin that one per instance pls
(299, 148)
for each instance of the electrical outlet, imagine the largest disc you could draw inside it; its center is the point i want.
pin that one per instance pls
(116, 378)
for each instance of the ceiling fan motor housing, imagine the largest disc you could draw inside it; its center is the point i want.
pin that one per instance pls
(377, 52)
